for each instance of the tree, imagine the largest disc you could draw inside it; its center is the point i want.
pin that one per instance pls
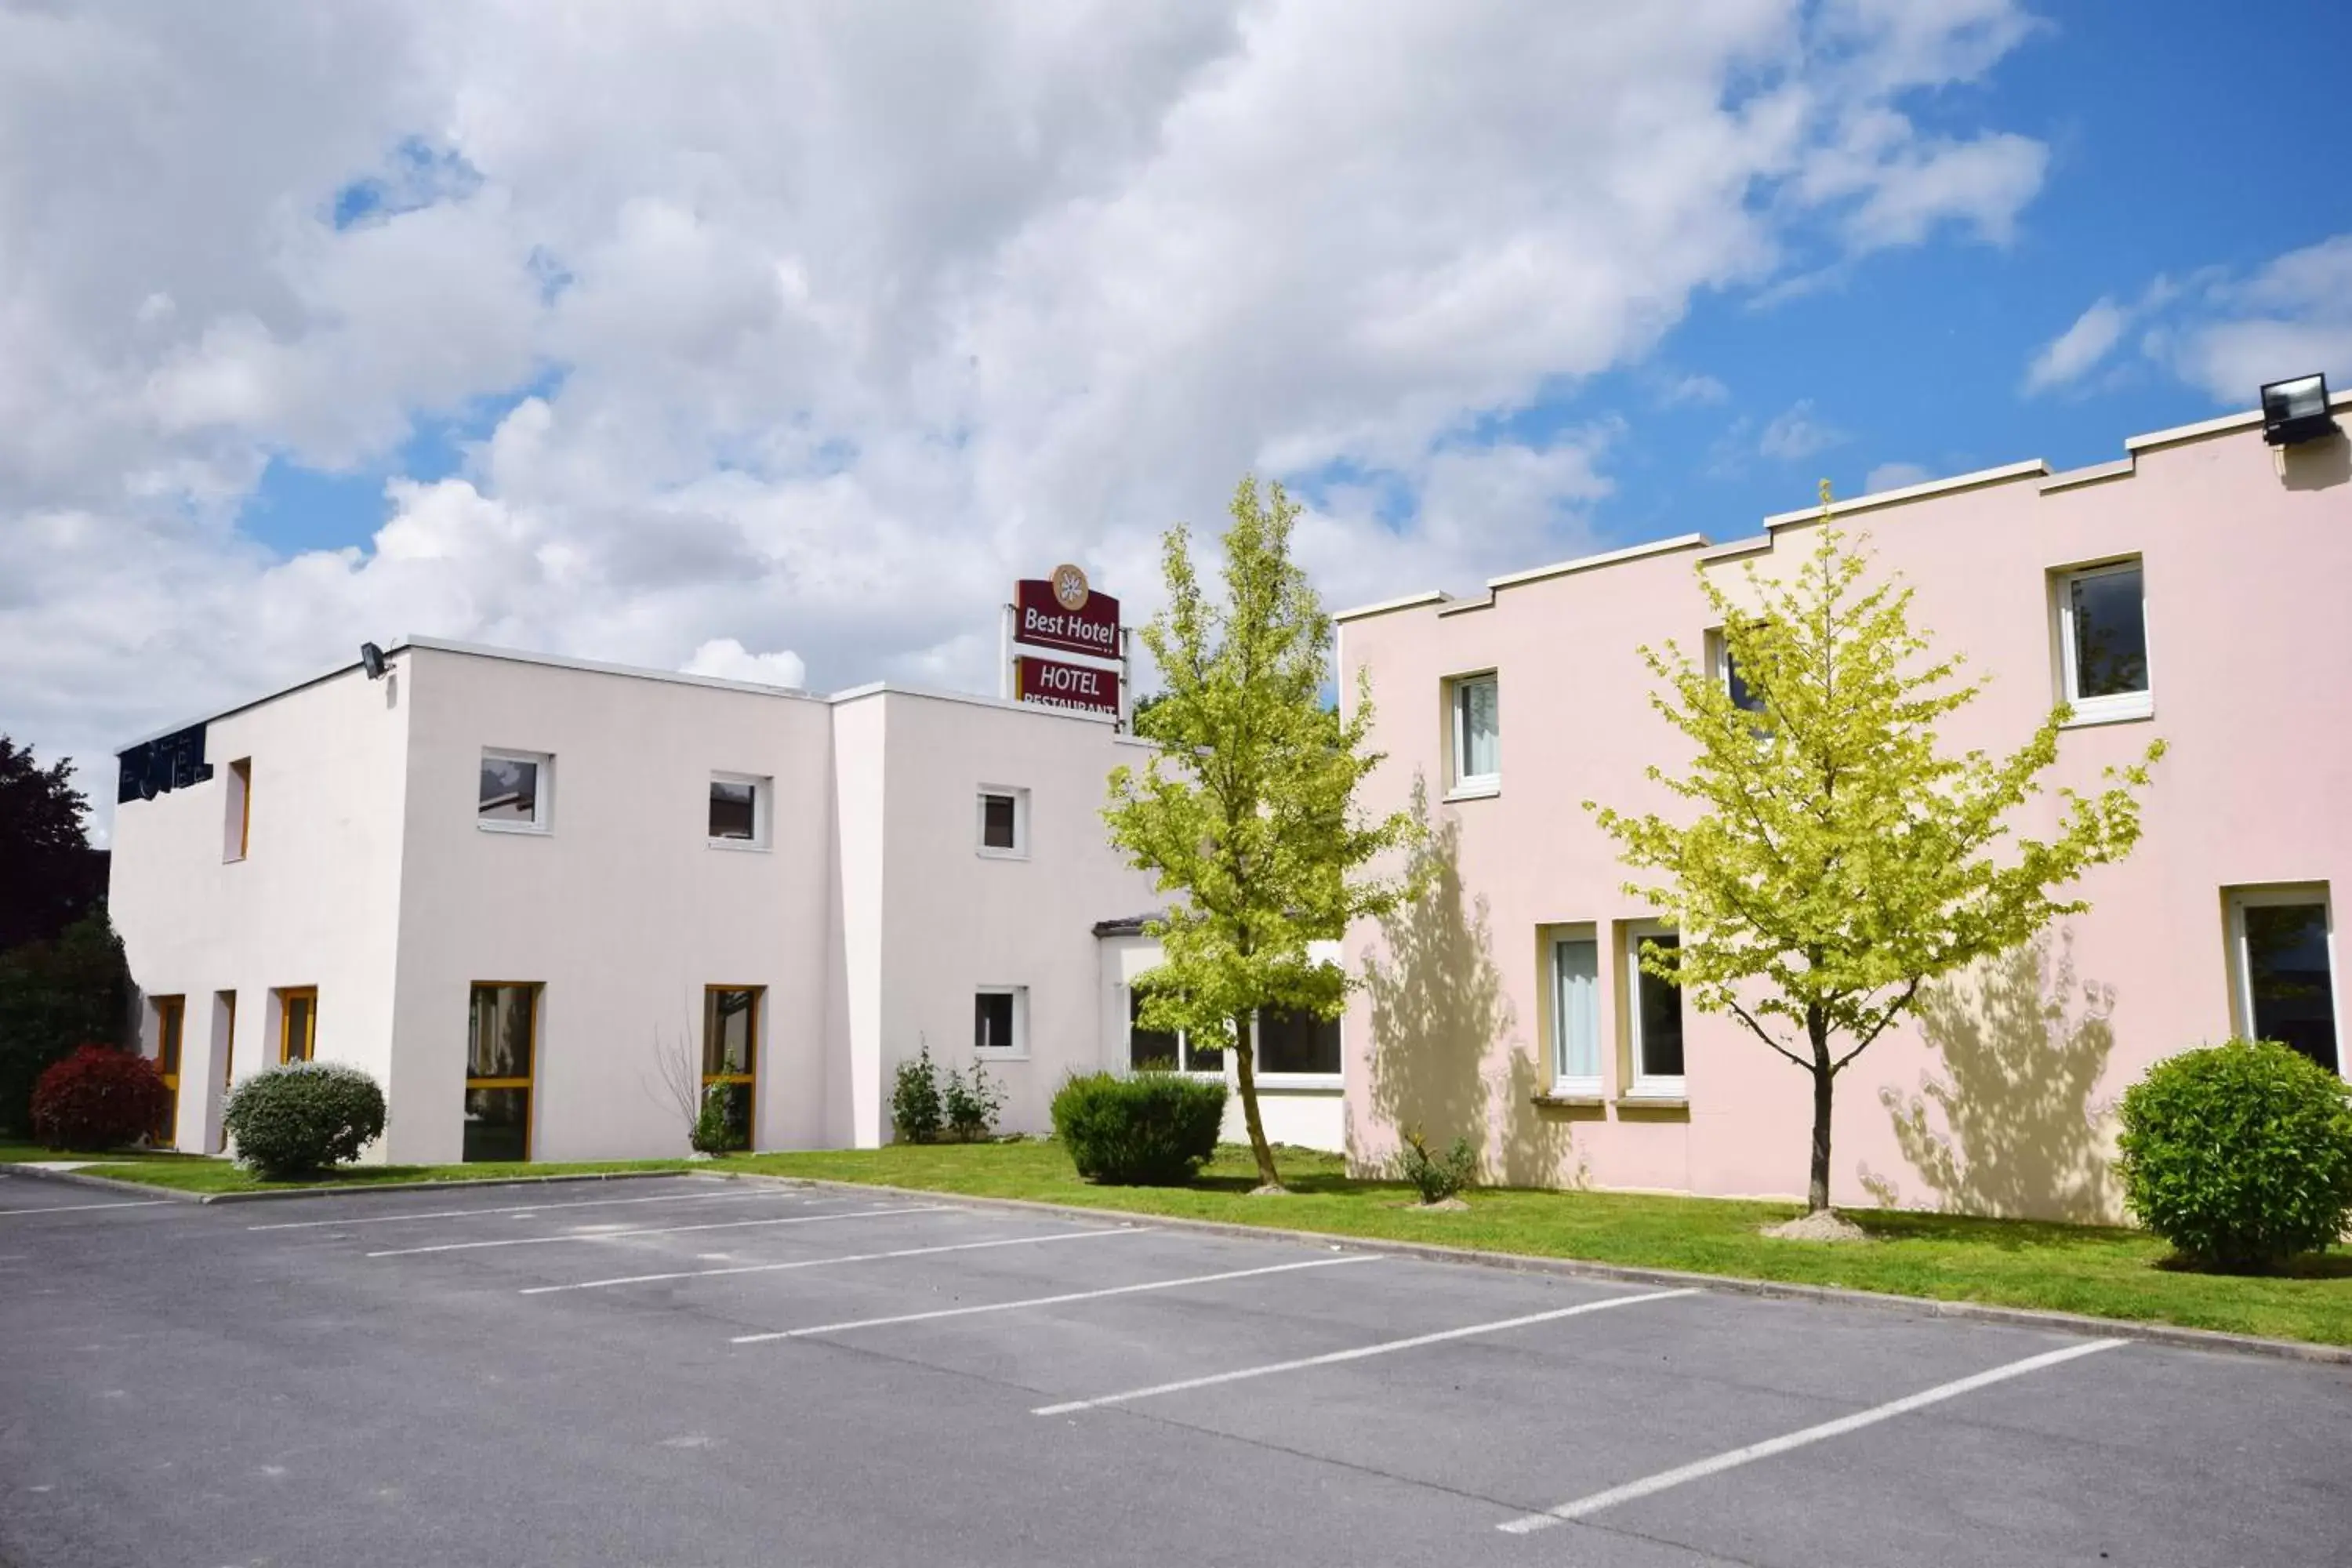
(45, 864)
(1248, 812)
(55, 995)
(1839, 860)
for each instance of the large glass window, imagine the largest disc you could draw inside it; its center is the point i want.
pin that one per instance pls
(2102, 642)
(515, 791)
(298, 1024)
(731, 1058)
(1478, 734)
(1160, 1048)
(1576, 1015)
(1297, 1042)
(500, 1059)
(171, 1020)
(1657, 1016)
(2287, 981)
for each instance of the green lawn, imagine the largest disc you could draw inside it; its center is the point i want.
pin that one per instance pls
(2105, 1272)
(18, 1153)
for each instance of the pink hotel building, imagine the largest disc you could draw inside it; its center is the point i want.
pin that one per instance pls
(2194, 590)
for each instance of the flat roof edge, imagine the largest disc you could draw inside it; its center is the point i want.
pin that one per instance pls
(2223, 424)
(1605, 558)
(1409, 601)
(1975, 479)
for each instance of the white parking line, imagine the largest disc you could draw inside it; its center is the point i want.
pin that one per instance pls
(1052, 1300)
(703, 1196)
(1528, 1523)
(84, 1208)
(655, 1230)
(826, 1262)
(1385, 1347)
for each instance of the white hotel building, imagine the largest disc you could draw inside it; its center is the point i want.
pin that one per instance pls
(512, 886)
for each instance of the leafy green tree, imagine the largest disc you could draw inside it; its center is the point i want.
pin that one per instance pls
(1248, 812)
(1837, 859)
(51, 875)
(55, 995)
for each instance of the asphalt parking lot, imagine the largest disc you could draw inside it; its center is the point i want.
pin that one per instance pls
(695, 1371)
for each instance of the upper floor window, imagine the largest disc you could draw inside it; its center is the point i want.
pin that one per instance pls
(2103, 643)
(236, 822)
(1726, 671)
(1004, 822)
(517, 792)
(740, 811)
(1477, 735)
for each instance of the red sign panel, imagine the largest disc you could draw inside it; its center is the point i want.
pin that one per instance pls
(1059, 685)
(1044, 620)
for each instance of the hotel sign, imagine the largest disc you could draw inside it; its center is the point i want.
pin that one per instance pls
(1054, 684)
(1061, 612)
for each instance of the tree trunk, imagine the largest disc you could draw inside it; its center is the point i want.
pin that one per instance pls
(1246, 1066)
(1817, 1191)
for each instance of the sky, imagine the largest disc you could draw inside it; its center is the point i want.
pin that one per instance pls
(773, 340)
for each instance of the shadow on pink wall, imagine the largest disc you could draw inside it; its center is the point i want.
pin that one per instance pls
(2008, 1121)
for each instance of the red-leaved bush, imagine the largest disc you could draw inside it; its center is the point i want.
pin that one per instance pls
(98, 1098)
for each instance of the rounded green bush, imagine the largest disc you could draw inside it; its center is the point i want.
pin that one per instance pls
(303, 1118)
(1149, 1130)
(2239, 1154)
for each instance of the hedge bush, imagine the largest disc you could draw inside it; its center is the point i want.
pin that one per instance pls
(918, 1108)
(304, 1118)
(1149, 1130)
(98, 1098)
(2239, 1154)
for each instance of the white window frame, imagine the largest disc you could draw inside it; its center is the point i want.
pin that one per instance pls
(2241, 968)
(542, 813)
(1018, 1050)
(1646, 1085)
(1020, 798)
(764, 790)
(1469, 785)
(2117, 707)
(1565, 1084)
(1183, 1044)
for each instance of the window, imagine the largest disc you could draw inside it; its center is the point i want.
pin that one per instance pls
(2286, 971)
(236, 810)
(1576, 1015)
(730, 1056)
(501, 1045)
(1160, 1048)
(998, 1025)
(740, 810)
(225, 1008)
(1655, 1015)
(1297, 1042)
(1726, 669)
(2103, 643)
(171, 1018)
(1004, 822)
(515, 786)
(1477, 736)
(298, 1024)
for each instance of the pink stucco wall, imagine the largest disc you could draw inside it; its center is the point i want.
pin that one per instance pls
(2247, 561)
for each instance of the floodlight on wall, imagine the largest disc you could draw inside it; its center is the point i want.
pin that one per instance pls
(372, 660)
(2296, 411)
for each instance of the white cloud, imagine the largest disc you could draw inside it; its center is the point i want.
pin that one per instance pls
(1895, 477)
(2077, 351)
(1689, 390)
(1795, 434)
(2291, 318)
(730, 660)
(843, 313)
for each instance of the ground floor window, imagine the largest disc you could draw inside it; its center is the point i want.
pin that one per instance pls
(1656, 1014)
(502, 1052)
(1164, 1050)
(730, 1056)
(2286, 979)
(171, 1018)
(1297, 1042)
(298, 1023)
(1576, 1015)
(998, 1027)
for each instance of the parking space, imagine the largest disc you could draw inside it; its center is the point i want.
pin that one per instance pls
(698, 1370)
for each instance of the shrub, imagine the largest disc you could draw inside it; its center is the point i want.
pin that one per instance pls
(972, 1104)
(1436, 1177)
(56, 995)
(724, 1123)
(1152, 1129)
(916, 1107)
(98, 1098)
(2240, 1155)
(304, 1118)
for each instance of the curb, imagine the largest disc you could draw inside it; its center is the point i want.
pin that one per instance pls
(1580, 1269)
(111, 1184)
